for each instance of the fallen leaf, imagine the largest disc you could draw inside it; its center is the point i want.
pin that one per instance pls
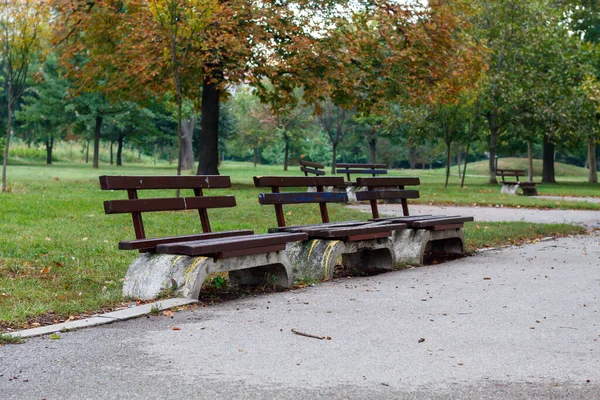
(45, 270)
(168, 313)
(176, 328)
(421, 340)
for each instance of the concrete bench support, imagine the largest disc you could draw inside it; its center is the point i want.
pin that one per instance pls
(316, 259)
(150, 273)
(410, 245)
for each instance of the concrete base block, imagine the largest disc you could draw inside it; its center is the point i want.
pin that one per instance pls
(410, 244)
(316, 259)
(150, 274)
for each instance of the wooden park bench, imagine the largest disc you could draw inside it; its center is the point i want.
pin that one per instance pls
(312, 168)
(510, 187)
(182, 263)
(360, 169)
(360, 244)
(426, 232)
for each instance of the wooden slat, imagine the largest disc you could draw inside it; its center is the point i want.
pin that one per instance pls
(362, 171)
(151, 243)
(388, 181)
(369, 236)
(302, 198)
(387, 194)
(331, 224)
(163, 182)
(360, 165)
(297, 181)
(167, 204)
(311, 164)
(312, 171)
(349, 231)
(213, 246)
(446, 227)
(440, 221)
(251, 251)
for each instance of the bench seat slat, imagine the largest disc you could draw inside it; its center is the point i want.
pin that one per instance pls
(340, 232)
(312, 171)
(387, 194)
(388, 182)
(362, 171)
(167, 204)
(302, 198)
(360, 165)
(297, 181)
(213, 246)
(287, 228)
(151, 243)
(440, 221)
(164, 182)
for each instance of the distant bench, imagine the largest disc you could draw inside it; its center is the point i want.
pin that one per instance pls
(425, 232)
(312, 168)
(360, 169)
(233, 251)
(509, 187)
(359, 244)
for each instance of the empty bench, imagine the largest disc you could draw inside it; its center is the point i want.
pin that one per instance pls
(312, 168)
(511, 186)
(425, 232)
(359, 244)
(180, 264)
(360, 169)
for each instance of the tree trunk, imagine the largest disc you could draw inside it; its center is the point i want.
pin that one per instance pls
(87, 151)
(209, 135)
(7, 142)
(530, 162)
(49, 146)
(447, 163)
(413, 157)
(112, 142)
(187, 139)
(154, 153)
(593, 167)
(493, 139)
(255, 155)
(333, 157)
(548, 160)
(120, 151)
(458, 161)
(97, 141)
(286, 153)
(373, 149)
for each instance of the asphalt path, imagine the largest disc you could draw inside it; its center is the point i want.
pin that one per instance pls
(513, 323)
(587, 218)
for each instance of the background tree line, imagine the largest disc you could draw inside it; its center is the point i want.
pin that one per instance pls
(429, 84)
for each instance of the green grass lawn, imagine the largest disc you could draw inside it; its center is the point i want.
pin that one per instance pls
(58, 250)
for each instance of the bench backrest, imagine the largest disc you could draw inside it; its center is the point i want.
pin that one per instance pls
(387, 189)
(511, 172)
(350, 168)
(311, 168)
(321, 197)
(136, 206)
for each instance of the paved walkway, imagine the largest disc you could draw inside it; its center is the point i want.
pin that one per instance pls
(515, 323)
(588, 218)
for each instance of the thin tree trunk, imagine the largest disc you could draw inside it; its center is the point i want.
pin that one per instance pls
(120, 151)
(458, 161)
(7, 142)
(493, 139)
(412, 157)
(187, 129)
(447, 163)
(87, 151)
(529, 161)
(548, 161)
(373, 149)
(255, 155)
(593, 167)
(112, 142)
(97, 129)
(286, 153)
(209, 135)
(333, 157)
(154, 152)
(49, 146)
